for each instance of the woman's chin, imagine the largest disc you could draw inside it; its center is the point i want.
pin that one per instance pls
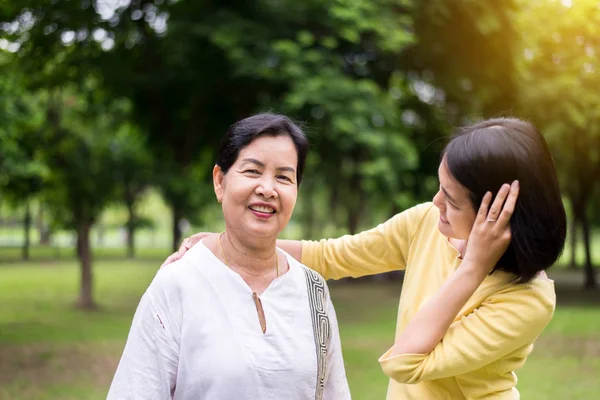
(446, 229)
(263, 231)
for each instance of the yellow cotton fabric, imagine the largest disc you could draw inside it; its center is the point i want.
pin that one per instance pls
(489, 339)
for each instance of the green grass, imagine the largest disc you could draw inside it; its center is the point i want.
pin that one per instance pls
(46, 254)
(50, 350)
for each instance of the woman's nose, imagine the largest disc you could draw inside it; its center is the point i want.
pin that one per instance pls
(266, 188)
(438, 199)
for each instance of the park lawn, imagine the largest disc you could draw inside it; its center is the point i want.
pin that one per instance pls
(49, 350)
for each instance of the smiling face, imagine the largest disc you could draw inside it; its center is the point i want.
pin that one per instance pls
(259, 191)
(457, 214)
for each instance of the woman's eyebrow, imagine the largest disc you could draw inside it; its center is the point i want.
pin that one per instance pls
(262, 165)
(254, 161)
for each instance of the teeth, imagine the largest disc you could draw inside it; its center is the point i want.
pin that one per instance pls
(264, 209)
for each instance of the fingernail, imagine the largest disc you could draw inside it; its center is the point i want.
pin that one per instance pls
(515, 184)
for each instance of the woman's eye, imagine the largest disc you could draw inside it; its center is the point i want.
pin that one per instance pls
(284, 178)
(251, 171)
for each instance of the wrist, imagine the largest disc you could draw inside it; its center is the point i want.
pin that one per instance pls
(473, 270)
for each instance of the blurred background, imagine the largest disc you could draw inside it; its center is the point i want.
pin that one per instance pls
(111, 112)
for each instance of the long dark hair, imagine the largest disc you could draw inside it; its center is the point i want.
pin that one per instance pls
(485, 155)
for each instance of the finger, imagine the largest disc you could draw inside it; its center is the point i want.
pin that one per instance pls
(483, 207)
(183, 247)
(195, 238)
(509, 205)
(170, 259)
(498, 203)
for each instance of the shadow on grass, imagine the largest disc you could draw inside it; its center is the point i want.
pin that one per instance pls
(570, 291)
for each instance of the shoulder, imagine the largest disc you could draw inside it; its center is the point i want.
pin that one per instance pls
(539, 291)
(424, 214)
(303, 272)
(531, 304)
(417, 215)
(173, 279)
(408, 223)
(298, 266)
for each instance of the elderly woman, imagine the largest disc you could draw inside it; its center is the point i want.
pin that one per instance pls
(475, 295)
(237, 318)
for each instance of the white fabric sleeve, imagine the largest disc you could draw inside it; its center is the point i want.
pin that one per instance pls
(336, 383)
(148, 367)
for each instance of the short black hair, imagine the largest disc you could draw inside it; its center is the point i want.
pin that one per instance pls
(243, 132)
(487, 154)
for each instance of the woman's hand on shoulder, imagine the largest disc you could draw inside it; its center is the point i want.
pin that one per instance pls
(491, 234)
(187, 244)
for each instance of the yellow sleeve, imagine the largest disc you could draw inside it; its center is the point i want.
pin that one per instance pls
(381, 249)
(504, 323)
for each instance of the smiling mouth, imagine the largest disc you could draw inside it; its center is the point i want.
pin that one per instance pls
(263, 209)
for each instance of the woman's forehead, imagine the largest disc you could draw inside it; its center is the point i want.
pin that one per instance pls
(265, 148)
(449, 183)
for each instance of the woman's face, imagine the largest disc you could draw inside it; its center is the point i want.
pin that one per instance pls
(457, 214)
(259, 191)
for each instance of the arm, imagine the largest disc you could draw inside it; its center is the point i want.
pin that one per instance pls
(381, 249)
(487, 242)
(336, 384)
(504, 323)
(489, 238)
(292, 247)
(431, 322)
(148, 366)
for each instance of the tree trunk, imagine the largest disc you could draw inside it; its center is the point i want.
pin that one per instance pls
(78, 245)
(573, 242)
(590, 274)
(131, 231)
(27, 227)
(176, 231)
(334, 203)
(353, 218)
(86, 301)
(309, 210)
(358, 199)
(355, 214)
(43, 229)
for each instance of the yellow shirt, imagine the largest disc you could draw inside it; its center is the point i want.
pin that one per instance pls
(489, 339)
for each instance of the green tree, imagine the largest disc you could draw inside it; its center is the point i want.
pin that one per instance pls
(332, 65)
(466, 48)
(22, 171)
(133, 171)
(82, 180)
(192, 68)
(344, 67)
(559, 90)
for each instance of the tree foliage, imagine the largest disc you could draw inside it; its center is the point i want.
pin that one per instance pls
(22, 170)
(559, 90)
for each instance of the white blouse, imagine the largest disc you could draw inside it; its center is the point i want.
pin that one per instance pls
(196, 335)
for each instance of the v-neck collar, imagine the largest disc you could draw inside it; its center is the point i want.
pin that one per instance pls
(219, 268)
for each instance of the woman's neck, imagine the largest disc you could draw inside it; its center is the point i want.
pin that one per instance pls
(249, 258)
(459, 245)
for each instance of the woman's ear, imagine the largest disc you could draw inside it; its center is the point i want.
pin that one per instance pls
(218, 176)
